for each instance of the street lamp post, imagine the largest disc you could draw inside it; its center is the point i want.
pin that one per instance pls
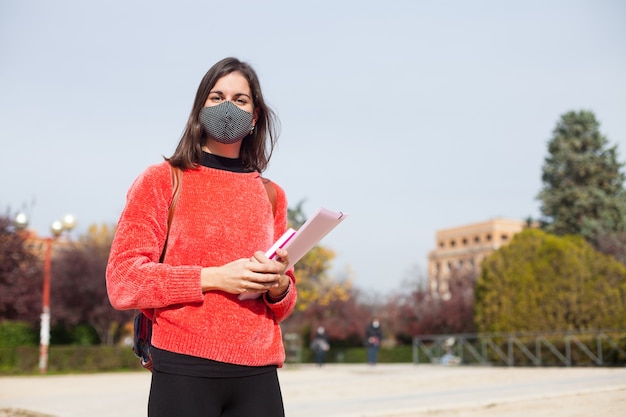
(57, 227)
(44, 331)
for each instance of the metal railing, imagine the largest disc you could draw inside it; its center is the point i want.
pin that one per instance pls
(565, 348)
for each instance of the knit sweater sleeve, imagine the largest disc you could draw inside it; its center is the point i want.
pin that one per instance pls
(135, 279)
(283, 308)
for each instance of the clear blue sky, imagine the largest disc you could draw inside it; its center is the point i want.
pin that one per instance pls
(412, 116)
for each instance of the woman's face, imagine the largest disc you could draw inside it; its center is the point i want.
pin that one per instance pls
(232, 87)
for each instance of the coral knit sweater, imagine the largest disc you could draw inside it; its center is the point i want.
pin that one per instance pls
(220, 216)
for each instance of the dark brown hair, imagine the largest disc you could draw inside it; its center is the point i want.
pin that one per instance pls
(256, 148)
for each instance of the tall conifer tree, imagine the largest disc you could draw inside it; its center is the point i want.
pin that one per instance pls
(583, 185)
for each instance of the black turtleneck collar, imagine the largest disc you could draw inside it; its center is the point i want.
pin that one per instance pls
(210, 160)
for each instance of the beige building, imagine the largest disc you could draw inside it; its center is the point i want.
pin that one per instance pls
(463, 248)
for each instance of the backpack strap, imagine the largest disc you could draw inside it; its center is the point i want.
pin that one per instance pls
(271, 193)
(142, 324)
(177, 176)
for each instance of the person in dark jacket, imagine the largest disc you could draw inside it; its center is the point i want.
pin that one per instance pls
(320, 345)
(373, 336)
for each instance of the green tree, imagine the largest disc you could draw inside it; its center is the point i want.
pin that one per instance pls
(296, 216)
(543, 282)
(583, 191)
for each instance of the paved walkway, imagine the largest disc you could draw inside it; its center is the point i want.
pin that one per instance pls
(403, 390)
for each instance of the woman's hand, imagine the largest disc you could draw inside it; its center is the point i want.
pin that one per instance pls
(282, 260)
(254, 275)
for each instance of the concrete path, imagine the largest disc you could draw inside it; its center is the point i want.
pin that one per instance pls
(403, 390)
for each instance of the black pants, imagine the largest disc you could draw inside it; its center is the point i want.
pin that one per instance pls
(188, 396)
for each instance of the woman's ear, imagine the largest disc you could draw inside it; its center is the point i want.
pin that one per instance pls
(255, 116)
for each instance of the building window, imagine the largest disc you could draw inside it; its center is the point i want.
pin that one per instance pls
(504, 237)
(452, 243)
(442, 244)
(489, 238)
(477, 239)
(464, 241)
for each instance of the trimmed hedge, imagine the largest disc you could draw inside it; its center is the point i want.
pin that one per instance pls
(68, 359)
(398, 354)
(24, 360)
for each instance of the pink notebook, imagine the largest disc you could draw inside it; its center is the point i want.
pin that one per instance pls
(298, 243)
(311, 232)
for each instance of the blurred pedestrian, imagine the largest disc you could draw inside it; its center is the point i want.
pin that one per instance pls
(320, 345)
(373, 336)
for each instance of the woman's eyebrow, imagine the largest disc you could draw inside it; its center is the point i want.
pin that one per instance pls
(235, 95)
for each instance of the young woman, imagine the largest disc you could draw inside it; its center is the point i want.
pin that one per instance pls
(215, 352)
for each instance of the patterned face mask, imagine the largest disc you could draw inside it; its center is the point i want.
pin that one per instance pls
(226, 123)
